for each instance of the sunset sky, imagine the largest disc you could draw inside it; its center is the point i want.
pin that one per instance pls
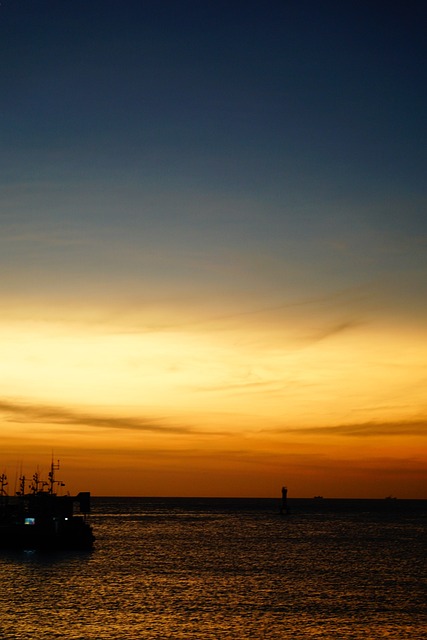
(213, 243)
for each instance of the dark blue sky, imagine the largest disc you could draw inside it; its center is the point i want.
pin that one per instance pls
(280, 127)
(232, 91)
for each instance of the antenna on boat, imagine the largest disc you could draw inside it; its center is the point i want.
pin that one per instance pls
(51, 475)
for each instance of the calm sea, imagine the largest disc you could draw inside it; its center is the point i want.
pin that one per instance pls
(227, 569)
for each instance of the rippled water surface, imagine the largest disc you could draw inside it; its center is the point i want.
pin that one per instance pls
(227, 569)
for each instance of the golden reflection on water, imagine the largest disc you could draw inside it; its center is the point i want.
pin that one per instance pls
(210, 573)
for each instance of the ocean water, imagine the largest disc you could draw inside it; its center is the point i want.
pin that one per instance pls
(227, 569)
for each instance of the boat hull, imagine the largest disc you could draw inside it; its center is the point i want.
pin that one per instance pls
(71, 534)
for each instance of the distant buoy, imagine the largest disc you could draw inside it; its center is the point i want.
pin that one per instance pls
(284, 509)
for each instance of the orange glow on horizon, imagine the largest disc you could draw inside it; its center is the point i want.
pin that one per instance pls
(218, 411)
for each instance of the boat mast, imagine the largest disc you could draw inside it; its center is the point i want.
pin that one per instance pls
(21, 491)
(51, 475)
(34, 487)
(3, 484)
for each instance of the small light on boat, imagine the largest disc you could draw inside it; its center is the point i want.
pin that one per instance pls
(30, 521)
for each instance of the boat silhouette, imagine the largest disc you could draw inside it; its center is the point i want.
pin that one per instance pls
(41, 519)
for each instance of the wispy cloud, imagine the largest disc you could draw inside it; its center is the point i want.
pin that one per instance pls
(365, 429)
(44, 414)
